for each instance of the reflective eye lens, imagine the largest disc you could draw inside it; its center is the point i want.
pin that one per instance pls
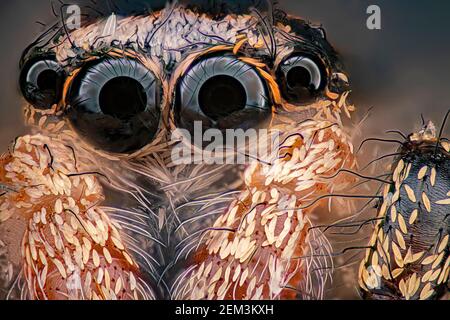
(114, 105)
(222, 95)
(41, 82)
(301, 79)
(122, 97)
(222, 92)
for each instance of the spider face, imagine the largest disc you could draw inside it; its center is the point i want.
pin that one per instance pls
(106, 99)
(121, 82)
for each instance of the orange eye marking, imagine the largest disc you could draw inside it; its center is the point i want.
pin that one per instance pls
(239, 45)
(272, 84)
(253, 62)
(331, 95)
(68, 82)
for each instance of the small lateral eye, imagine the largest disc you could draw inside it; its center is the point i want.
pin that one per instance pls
(41, 81)
(301, 78)
(222, 92)
(114, 104)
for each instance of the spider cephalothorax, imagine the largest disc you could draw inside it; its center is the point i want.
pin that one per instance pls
(107, 98)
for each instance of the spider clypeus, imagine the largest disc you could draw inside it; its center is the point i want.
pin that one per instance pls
(93, 205)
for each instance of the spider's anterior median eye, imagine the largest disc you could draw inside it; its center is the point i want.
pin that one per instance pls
(221, 95)
(301, 78)
(41, 82)
(222, 92)
(114, 104)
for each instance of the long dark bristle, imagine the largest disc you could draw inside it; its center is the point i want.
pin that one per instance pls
(441, 131)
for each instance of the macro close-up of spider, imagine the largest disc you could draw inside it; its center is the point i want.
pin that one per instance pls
(224, 151)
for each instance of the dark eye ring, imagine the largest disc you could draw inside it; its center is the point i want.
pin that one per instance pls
(114, 104)
(41, 81)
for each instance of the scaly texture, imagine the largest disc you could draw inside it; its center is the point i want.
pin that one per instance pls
(162, 207)
(262, 246)
(409, 250)
(71, 249)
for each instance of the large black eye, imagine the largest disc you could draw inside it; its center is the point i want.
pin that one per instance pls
(114, 104)
(222, 92)
(301, 79)
(41, 82)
